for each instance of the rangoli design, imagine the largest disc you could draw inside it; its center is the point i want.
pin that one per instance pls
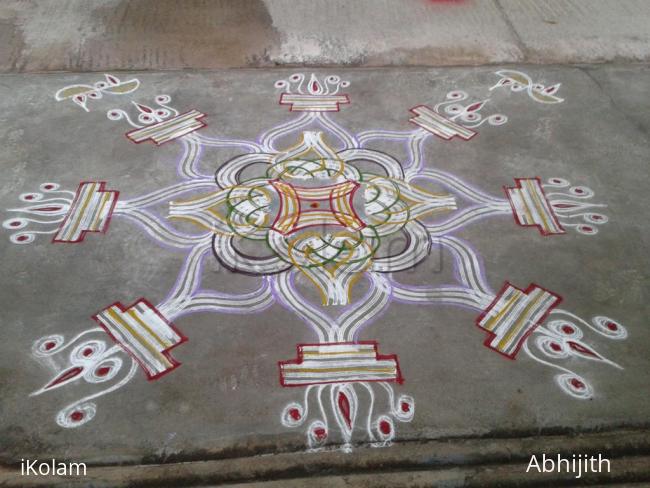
(312, 208)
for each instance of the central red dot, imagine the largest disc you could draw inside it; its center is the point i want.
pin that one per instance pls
(21, 238)
(294, 413)
(77, 416)
(405, 407)
(49, 345)
(555, 346)
(314, 205)
(103, 371)
(384, 427)
(87, 352)
(320, 433)
(576, 383)
(612, 326)
(567, 329)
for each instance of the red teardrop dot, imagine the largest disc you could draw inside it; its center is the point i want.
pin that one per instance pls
(576, 383)
(567, 329)
(579, 191)
(49, 345)
(29, 197)
(314, 205)
(87, 352)
(320, 433)
(77, 416)
(103, 371)
(405, 407)
(587, 228)
(14, 223)
(48, 187)
(596, 217)
(384, 427)
(294, 413)
(21, 238)
(555, 346)
(612, 326)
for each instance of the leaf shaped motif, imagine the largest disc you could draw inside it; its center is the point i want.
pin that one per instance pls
(543, 98)
(475, 107)
(584, 351)
(71, 91)
(552, 89)
(124, 87)
(515, 76)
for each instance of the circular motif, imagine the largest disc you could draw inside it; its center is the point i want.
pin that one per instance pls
(575, 385)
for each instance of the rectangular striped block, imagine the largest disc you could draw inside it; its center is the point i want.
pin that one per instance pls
(513, 315)
(432, 121)
(313, 103)
(90, 211)
(531, 208)
(339, 362)
(144, 334)
(169, 130)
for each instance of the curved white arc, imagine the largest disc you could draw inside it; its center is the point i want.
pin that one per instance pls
(190, 158)
(416, 158)
(469, 267)
(228, 173)
(161, 233)
(348, 139)
(188, 280)
(460, 186)
(368, 135)
(267, 139)
(559, 311)
(464, 217)
(363, 313)
(219, 142)
(165, 194)
(388, 163)
(116, 386)
(323, 326)
(455, 295)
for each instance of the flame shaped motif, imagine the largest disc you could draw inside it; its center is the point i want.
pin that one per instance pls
(344, 404)
(66, 376)
(583, 350)
(344, 408)
(314, 86)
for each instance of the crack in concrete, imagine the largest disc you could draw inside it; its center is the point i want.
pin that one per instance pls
(518, 40)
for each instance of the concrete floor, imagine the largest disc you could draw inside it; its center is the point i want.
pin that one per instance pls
(79, 35)
(572, 103)
(225, 400)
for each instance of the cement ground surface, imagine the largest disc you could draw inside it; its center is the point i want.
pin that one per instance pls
(224, 403)
(81, 35)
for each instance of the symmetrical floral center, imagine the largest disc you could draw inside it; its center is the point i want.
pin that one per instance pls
(317, 211)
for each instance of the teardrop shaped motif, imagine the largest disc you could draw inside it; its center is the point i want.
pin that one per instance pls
(64, 377)
(344, 408)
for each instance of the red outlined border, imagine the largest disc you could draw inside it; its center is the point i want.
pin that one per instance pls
(301, 211)
(165, 352)
(527, 291)
(411, 120)
(150, 139)
(338, 104)
(542, 231)
(300, 356)
(82, 235)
